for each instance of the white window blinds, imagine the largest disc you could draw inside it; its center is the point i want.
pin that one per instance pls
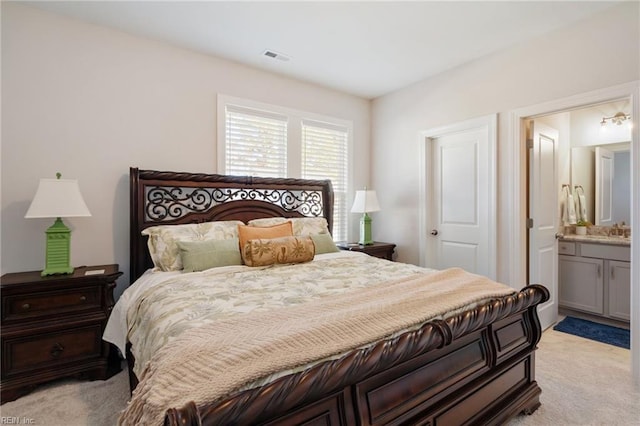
(272, 141)
(256, 142)
(325, 156)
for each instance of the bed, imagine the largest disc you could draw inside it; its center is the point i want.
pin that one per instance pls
(471, 364)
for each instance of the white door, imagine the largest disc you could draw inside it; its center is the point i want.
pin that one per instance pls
(543, 212)
(604, 187)
(461, 219)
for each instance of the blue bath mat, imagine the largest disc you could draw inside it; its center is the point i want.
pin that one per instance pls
(594, 331)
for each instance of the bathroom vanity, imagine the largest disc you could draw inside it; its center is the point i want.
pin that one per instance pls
(595, 276)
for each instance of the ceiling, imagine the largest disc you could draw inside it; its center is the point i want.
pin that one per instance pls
(366, 48)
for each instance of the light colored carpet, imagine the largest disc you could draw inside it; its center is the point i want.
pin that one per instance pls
(70, 402)
(583, 383)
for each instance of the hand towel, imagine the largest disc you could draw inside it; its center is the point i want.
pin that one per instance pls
(569, 208)
(582, 204)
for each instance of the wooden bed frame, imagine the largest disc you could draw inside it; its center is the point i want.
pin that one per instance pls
(476, 367)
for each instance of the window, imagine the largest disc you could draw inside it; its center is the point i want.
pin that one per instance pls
(324, 156)
(270, 141)
(255, 143)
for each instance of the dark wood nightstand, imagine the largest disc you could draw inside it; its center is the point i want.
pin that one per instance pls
(52, 327)
(377, 249)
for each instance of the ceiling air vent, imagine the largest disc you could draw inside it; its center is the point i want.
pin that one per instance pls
(276, 55)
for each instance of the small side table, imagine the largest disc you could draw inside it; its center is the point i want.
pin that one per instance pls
(377, 249)
(52, 327)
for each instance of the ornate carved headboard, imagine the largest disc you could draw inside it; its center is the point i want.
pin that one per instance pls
(171, 198)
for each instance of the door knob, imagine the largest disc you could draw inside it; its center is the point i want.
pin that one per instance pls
(434, 232)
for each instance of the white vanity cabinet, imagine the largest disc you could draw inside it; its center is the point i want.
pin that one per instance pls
(595, 278)
(619, 274)
(581, 284)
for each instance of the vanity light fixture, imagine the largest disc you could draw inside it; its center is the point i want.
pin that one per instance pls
(617, 119)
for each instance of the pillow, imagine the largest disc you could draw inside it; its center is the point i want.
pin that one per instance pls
(163, 238)
(309, 225)
(324, 243)
(201, 255)
(267, 221)
(301, 225)
(246, 233)
(263, 252)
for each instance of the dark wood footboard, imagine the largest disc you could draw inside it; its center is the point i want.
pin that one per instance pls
(477, 367)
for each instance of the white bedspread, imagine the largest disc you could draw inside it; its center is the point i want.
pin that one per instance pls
(160, 306)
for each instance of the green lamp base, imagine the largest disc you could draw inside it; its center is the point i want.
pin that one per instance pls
(365, 230)
(58, 249)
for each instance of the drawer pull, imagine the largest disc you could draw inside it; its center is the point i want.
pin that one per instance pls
(83, 298)
(56, 350)
(26, 306)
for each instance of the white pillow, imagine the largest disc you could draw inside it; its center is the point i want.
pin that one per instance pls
(302, 226)
(163, 240)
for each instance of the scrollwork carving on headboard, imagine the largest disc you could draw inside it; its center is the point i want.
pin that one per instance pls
(170, 203)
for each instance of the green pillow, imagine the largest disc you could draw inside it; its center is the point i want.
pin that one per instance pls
(324, 243)
(201, 255)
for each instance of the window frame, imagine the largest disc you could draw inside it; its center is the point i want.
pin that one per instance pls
(294, 140)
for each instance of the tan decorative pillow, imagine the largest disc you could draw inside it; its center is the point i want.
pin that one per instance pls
(163, 240)
(301, 225)
(263, 252)
(246, 233)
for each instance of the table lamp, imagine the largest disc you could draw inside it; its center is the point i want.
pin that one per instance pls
(365, 202)
(58, 198)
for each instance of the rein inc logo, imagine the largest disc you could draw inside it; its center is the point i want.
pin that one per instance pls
(16, 420)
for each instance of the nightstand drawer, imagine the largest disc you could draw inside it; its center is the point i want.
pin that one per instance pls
(46, 350)
(31, 305)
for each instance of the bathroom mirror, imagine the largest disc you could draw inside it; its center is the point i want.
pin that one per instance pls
(603, 172)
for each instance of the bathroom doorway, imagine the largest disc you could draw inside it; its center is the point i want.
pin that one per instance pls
(518, 192)
(571, 182)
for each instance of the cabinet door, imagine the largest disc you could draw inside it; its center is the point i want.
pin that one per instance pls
(619, 274)
(581, 283)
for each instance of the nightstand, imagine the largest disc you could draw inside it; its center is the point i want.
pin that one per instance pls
(52, 327)
(377, 249)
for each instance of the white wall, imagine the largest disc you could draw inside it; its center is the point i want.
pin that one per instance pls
(570, 61)
(90, 102)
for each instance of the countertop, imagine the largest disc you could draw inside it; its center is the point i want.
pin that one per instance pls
(597, 239)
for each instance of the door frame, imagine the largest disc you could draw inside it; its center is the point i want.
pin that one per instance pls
(490, 122)
(516, 190)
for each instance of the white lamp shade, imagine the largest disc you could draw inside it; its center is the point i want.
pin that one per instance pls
(366, 201)
(57, 198)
